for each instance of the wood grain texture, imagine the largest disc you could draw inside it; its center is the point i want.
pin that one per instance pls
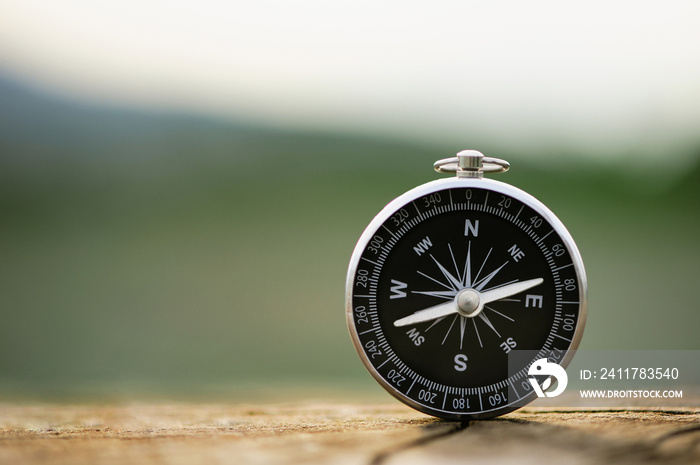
(339, 433)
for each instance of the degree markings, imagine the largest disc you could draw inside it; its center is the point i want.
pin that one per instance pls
(519, 212)
(389, 230)
(383, 363)
(411, 386)
(564, 266)
(370, 330)
(417, 210)
(372, 262)
(544, 237)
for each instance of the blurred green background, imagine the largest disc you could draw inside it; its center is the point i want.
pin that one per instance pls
(158, 251)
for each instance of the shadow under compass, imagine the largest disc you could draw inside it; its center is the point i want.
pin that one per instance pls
(432, 430)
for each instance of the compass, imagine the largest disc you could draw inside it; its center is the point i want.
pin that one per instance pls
(454, 278)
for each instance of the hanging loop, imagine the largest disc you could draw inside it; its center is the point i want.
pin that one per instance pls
(471, 164)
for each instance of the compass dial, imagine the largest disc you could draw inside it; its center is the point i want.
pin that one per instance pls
(452, 278)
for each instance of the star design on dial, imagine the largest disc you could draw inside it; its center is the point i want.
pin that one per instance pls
(466, 296)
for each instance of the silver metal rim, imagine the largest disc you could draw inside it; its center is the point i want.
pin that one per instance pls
(490, 165)
(430, 188)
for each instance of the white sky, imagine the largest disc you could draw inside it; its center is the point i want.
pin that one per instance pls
(604, 76)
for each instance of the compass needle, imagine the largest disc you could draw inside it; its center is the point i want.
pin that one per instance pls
(509, 290)
(458, 306)
(451, 280)
(428, 314)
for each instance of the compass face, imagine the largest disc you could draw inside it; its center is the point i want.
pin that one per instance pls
(449, 281)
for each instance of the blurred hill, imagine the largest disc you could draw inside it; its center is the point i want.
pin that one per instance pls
(147, 251)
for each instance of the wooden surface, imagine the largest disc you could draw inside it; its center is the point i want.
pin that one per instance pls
(310, 433)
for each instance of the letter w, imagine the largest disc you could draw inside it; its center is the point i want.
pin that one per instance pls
(397, 289)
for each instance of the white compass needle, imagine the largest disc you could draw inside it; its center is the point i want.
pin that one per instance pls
(427, 314)
(509, 290)
(482, 298)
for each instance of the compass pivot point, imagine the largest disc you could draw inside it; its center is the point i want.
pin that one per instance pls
(469, 303)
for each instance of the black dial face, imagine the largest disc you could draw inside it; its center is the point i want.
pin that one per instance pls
(447, 286)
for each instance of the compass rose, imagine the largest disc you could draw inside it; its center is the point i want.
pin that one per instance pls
(466, 298)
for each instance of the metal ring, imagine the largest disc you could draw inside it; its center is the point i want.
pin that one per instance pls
(447, 165)
(490, 165)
